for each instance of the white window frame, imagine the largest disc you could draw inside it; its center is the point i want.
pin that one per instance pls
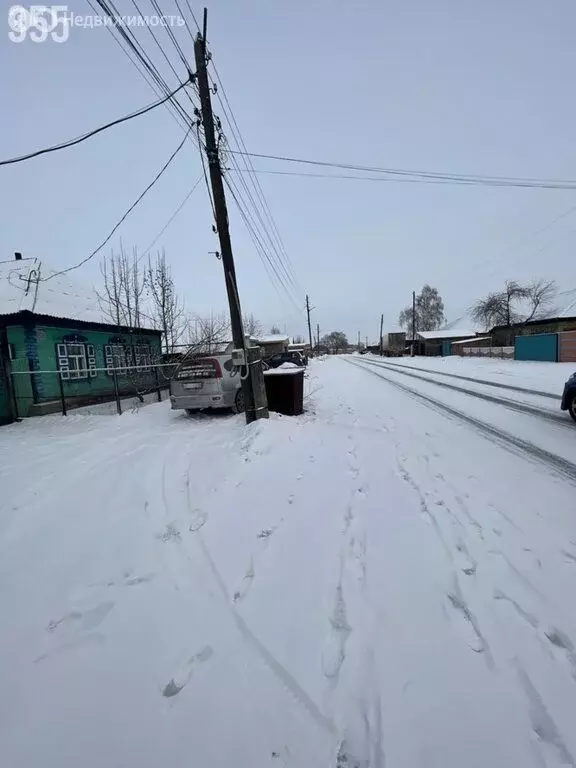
(73, 361)
(143, 357)
(115, 356)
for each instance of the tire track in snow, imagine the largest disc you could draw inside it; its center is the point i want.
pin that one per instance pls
(497, 384)
(510, 404)
(516, 445)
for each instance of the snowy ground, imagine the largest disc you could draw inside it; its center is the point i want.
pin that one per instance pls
(544, 377)
(389, 577)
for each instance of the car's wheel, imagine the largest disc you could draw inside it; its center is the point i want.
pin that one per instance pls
(572, 407)
(239, 402)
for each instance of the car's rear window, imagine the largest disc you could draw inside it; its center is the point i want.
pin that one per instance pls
(198, 369)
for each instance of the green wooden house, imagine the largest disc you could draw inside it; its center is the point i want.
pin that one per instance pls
(55, 343)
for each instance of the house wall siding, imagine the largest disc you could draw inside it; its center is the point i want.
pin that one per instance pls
(21, 379)
(6, 415)
(567, 347)
(36, 367)
(506, 336)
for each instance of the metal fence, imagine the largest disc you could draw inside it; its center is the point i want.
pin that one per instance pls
(38, 392)
(503, 353)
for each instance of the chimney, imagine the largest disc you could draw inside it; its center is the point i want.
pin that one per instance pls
(17, 256)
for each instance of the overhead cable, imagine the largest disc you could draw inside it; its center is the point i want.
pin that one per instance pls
(84, 136)
(504, 181)
(125, 215)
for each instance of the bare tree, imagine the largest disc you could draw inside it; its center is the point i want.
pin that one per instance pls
(124, 286)
(540, 295)
(167, 309)
(206, 334)
(252, 326)
(275, 330)
(515, 303)
(299, 340)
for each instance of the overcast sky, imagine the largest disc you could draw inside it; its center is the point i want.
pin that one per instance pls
(452, 85)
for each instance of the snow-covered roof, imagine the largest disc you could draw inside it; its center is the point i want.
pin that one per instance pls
(445, 333)
(272, 338)
(566, 302)
(23, 286)
(473, 338)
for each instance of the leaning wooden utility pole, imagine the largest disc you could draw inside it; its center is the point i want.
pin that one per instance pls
(318, 336)
(413, 323)
(381, 338)
(308, 310)
(253, 389)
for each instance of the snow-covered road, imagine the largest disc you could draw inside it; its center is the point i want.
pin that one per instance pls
(380, 578)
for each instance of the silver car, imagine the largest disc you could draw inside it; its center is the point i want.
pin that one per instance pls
(207, 382)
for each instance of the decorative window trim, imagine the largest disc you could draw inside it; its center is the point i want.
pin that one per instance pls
(80, 370)
(91, 353)
(118, 353)
(143, 357)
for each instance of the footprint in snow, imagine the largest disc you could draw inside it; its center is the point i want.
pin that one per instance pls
(199, 519)
(135, 580)
(86, 619)
(184, 674)
(170, 533)
(247, 583)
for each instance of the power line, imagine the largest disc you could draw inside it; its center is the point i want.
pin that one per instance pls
(170, 220)
(205, 174)
(259, 171)
(275, 254)
(143, 62)
(84, 136)
(504, 181)
(185, 22)
(116, 226)
(287, 267)
(267, 263)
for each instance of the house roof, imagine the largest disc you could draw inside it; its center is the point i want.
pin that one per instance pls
(566, 302)
(446, 334)
(473, 338)
(24, 288)
(272, 338)
(540, 321)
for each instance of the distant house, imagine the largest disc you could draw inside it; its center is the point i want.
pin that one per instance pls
(504, 335)
(273, 343)
(302, 347)
(54, 342)
(440, 342)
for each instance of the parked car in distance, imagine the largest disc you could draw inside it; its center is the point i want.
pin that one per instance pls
(569, 396)
(210, 382)
(286, 357)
